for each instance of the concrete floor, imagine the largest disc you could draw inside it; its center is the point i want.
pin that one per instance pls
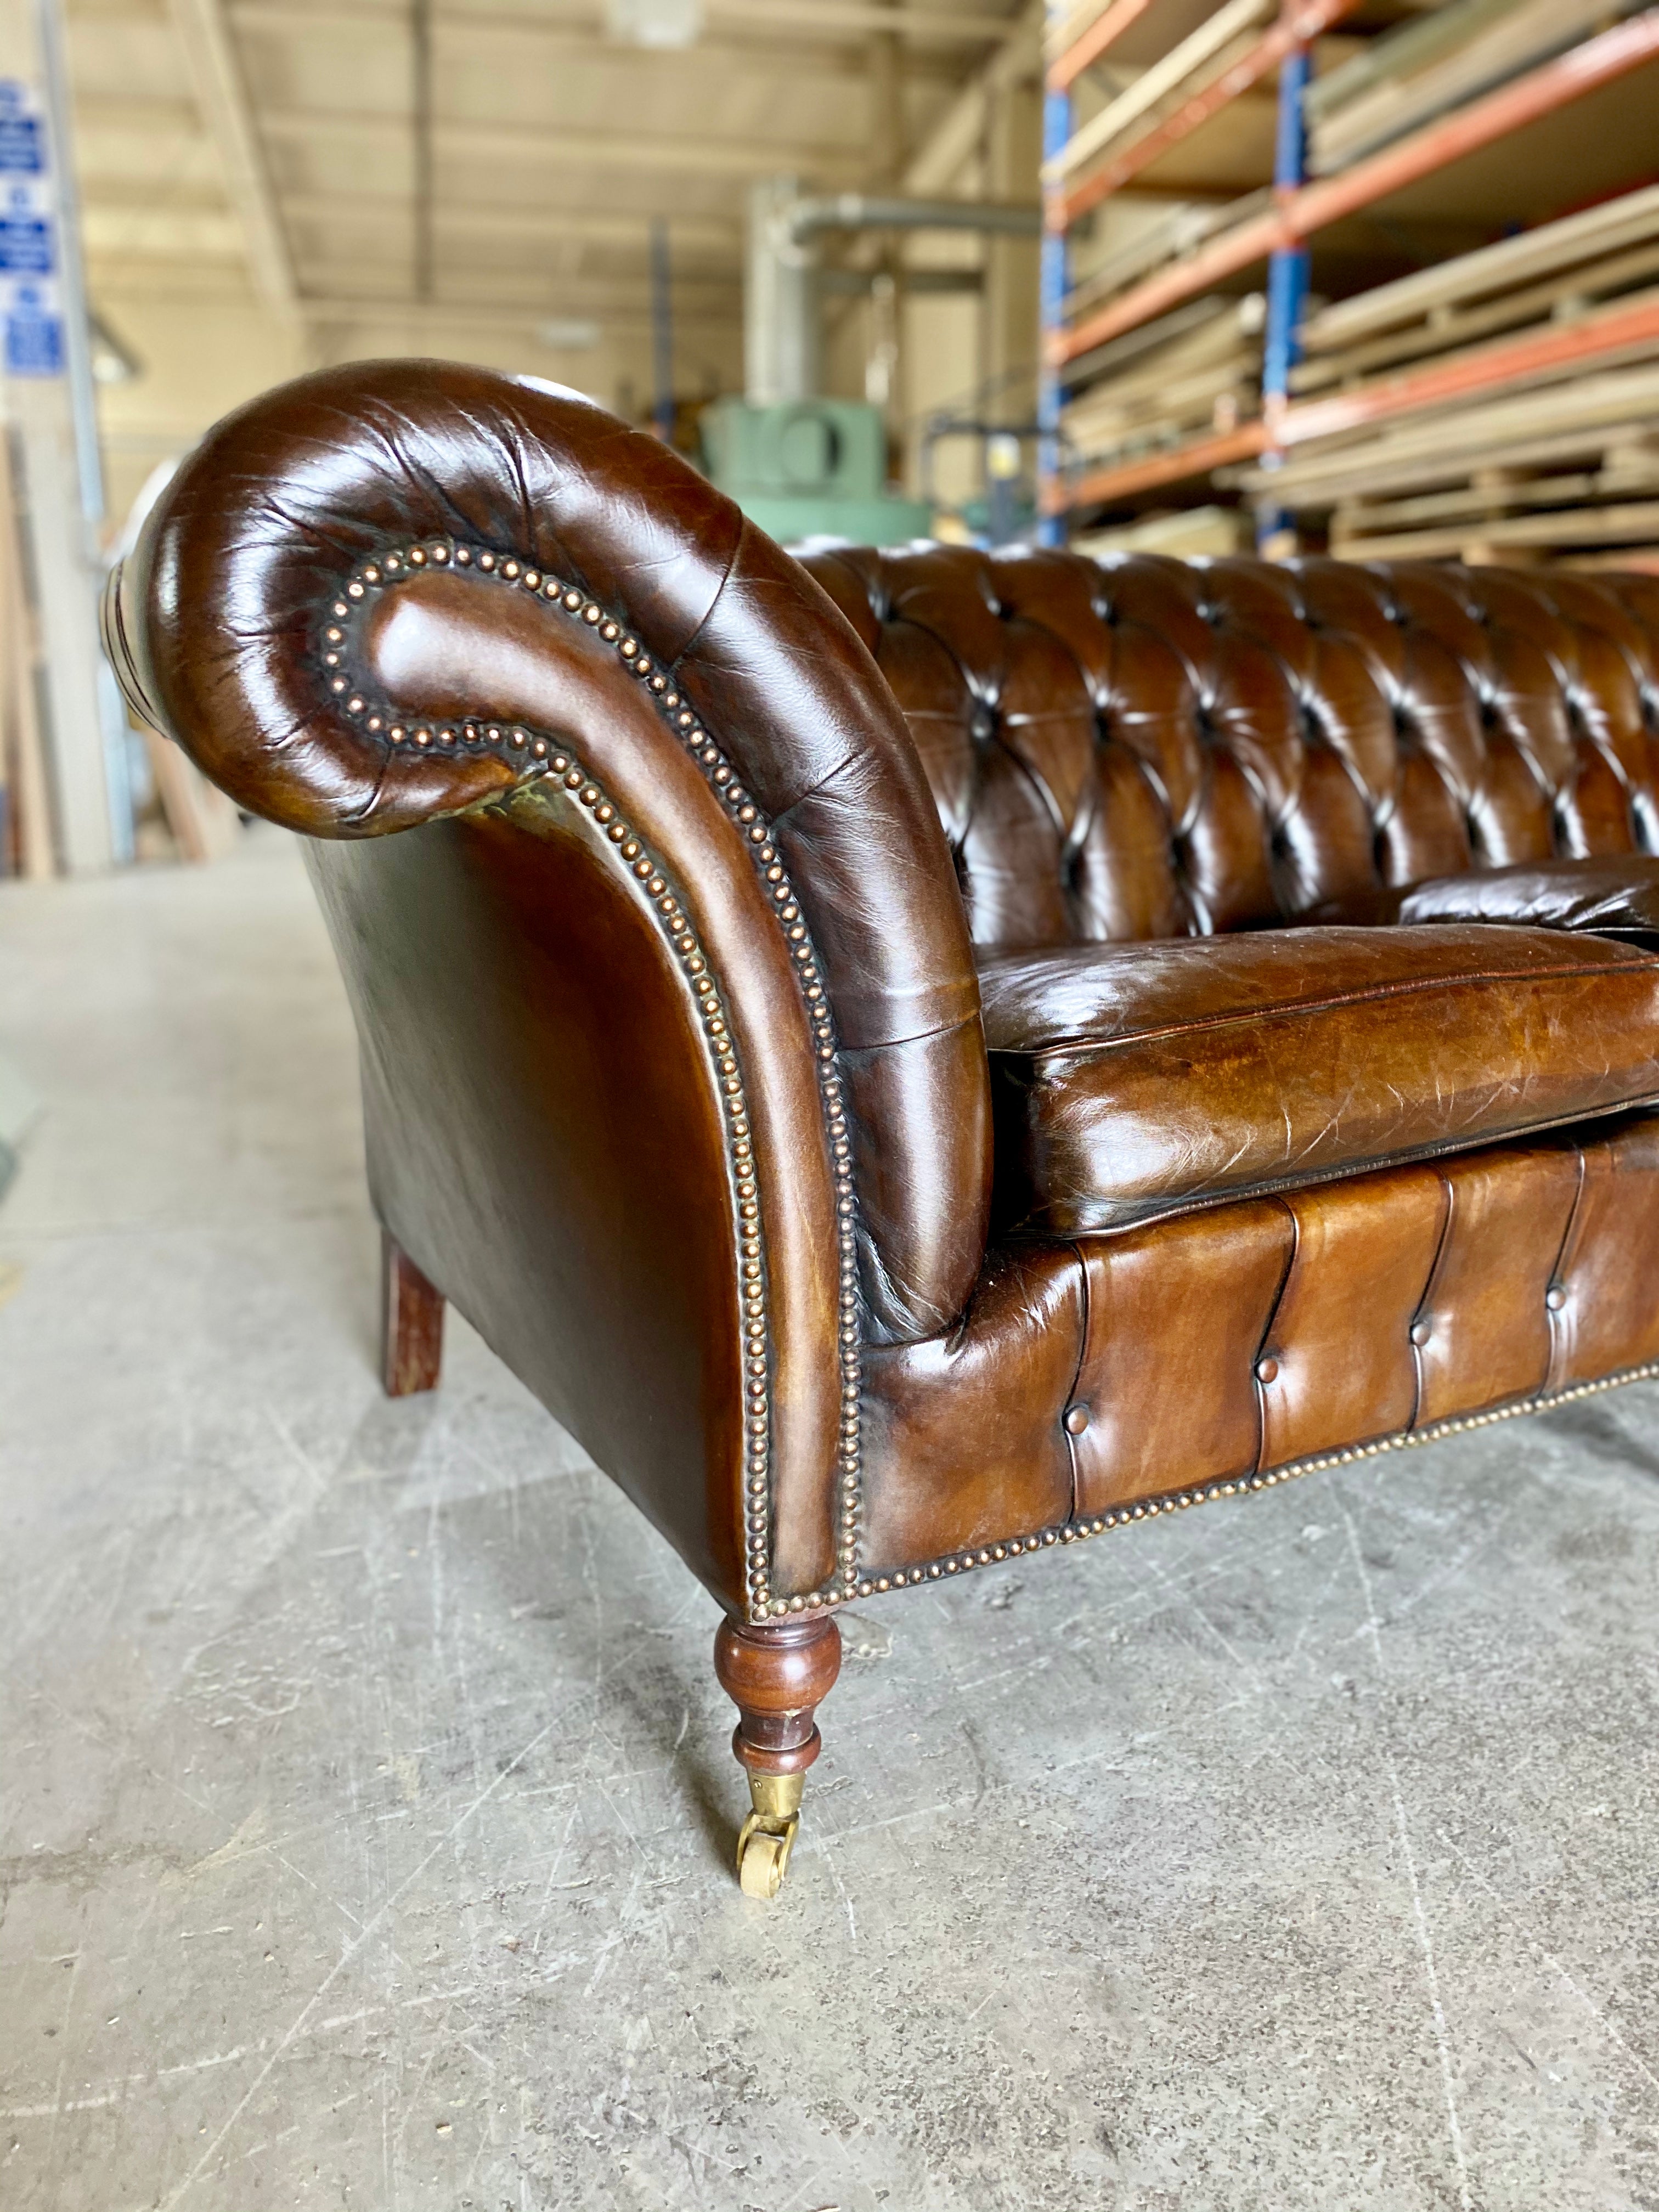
(364, 1802)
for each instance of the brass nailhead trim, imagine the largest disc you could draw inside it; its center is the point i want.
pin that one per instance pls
(541, 759)
(1075, 1532)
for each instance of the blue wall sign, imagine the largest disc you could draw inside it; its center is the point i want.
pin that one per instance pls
(31, 320)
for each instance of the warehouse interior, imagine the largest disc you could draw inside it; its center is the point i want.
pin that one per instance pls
(365, 1820)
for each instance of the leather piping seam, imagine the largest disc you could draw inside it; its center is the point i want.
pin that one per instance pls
(1177, 1209)
(1242, 1486)
(545, 758)
(1255, 1016)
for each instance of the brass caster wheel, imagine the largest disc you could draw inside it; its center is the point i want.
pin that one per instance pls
(768, 1836)
(763, 1855)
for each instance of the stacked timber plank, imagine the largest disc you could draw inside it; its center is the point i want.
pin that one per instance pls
(1197, 369)
(1190, 534)
(1504, 405)
(1427, 68)
(1137, 101)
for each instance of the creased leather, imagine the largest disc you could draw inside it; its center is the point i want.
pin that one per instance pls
(1131, 1082)
(1609, 897)
(215, 621)
(1220, 1345)
(1139, 747)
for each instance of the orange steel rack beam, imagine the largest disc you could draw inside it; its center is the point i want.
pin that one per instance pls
(1598, 61)
(1296, 26)
(1195, 458)
(1106, 27)
(1587, 343)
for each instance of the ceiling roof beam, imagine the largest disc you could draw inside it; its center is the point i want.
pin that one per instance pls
(560, 147)
(100, 113)
(858, 18)
(812, 19)
(957, 136)
(852, 20)
(356, 306)
(358, 211)
(742, 46)
(217, 81)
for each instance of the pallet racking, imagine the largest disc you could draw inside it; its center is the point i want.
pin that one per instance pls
(1369, 409)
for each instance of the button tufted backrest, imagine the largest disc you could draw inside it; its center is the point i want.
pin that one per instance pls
(1142, 747)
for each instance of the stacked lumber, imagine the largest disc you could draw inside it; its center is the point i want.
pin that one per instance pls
(1191, 534)
(1555, 274)
(1426, 68)
(1139, 100)
(1552, 458)
(1179, 230)
(1556, 467)
(1199, 368)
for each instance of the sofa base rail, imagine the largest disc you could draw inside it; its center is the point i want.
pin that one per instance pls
(777, 1672)
(1180, 1501)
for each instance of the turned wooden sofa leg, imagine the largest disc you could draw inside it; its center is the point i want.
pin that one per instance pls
(412, 1323)
(775, 1676)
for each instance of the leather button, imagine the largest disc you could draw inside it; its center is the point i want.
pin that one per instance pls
(1555, 1298)
(1267, 1368)
(1420, 1332)
(1076, 1419)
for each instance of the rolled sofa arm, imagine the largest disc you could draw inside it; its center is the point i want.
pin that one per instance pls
(412, 595)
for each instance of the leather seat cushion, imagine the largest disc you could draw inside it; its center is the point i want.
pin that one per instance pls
(1137, 1081)
(1615, 894)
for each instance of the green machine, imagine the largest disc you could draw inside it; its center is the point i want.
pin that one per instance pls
(810, 468)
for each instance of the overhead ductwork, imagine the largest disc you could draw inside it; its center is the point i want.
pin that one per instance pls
(782, 331)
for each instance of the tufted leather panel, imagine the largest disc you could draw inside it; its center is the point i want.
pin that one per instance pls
(1144, 747)
(1132, 1081)
(962, 1432)
(1221, 1346)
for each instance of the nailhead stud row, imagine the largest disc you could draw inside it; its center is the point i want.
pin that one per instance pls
(539, 758)
(1076, 1532)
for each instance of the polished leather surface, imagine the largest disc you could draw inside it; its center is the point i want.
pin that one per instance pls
(216, 622)
(1225, 1344)
(543, 1123)
(1132, 1081)
(1611, 897)
(1145, 748)
(1063, 757)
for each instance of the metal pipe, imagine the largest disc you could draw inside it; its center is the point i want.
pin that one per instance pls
(782, 340)
(662, 333)
(1598, 61)
(420, 28)
(781, 334)
(877, 211)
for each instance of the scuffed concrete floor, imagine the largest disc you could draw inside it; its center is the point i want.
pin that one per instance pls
(364, 1802)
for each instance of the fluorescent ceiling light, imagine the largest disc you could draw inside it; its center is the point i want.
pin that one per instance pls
(568, 334)
(655, 23)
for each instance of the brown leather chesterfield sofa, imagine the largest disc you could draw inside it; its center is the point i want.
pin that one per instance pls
(920, 1058)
